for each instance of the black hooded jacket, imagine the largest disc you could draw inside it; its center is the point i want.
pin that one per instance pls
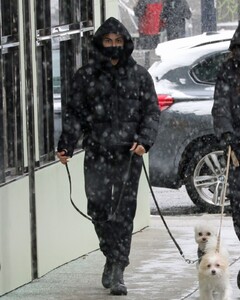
(112, 106)
(226, 107)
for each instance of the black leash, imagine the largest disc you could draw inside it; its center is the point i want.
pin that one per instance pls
(164, 222)
(70, 187)
(112, 216)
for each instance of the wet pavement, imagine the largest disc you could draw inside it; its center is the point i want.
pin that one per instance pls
(157, 270)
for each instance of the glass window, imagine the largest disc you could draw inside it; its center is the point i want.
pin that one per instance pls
(11, 137)
(86, 11)
(64, 29)
(62, 49)
(206, 70)
(9, 22)
(45, 102)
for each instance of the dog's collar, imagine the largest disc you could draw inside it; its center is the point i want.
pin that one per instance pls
(200, 254)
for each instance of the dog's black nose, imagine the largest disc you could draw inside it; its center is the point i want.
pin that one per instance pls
(213, 272)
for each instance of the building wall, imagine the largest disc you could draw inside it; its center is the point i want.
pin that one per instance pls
(62, 233)
(15, 238)
(112, 9)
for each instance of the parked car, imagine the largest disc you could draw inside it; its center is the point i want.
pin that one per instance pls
(193, 41)
(186, 151)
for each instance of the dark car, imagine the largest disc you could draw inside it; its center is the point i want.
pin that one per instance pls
(186, 151)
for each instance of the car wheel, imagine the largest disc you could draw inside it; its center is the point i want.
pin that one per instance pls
(205, 178)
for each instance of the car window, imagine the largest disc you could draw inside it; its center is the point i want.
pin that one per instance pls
(206, 70)
(177, 75)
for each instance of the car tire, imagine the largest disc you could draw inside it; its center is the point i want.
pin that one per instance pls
(205, 178)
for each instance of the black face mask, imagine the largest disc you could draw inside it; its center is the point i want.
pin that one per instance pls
(113, 52)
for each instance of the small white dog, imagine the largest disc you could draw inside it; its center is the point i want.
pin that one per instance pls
(203, 234)
(213, 276)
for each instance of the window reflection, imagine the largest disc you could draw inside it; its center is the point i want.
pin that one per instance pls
(54, 12)
(206, 71)
(11, 137)
(63, 31)
(57, 105)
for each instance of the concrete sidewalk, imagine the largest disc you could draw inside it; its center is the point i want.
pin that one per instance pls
(157, 270)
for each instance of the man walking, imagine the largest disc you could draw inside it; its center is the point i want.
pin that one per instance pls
(113, 105)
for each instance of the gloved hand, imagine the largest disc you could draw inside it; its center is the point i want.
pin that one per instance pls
(227, 139)
(63, 157)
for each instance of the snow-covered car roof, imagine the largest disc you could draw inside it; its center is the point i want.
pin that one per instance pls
(194, 41)
(184, 57)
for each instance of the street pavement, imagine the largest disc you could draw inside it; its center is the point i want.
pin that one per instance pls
(172, 202)
(157, 270)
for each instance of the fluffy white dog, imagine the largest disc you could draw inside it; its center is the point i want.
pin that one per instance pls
(213, 276)
(207, 239)
(205, 232)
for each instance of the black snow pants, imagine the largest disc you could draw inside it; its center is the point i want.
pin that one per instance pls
(105, 172)
(234, 195)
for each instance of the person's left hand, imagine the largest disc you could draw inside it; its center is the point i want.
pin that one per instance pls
(138, 149)
(64, 159)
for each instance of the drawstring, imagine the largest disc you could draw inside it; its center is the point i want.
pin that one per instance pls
(113, 216)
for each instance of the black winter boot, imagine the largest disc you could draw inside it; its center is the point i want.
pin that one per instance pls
(107, 275)
(118, 287)
(238, 280)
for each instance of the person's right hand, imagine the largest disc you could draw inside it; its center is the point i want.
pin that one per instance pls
(227, 139)
(138, 149)
(63, 157)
